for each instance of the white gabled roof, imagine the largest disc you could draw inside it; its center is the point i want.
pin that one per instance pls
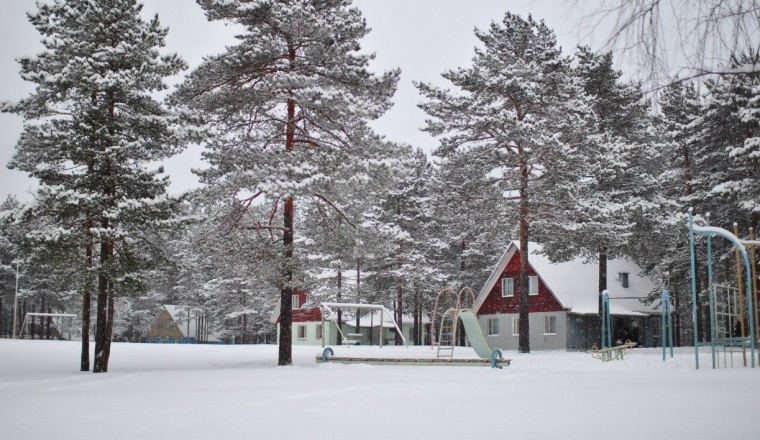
(575, 283)
(179, 316)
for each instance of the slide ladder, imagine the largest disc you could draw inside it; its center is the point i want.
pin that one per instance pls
(447, 335)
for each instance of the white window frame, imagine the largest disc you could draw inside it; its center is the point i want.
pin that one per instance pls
(493, 326)
(533, 284)
(319, 331)
(515, 326)
(548, 325)
(507, 287)
(295, 302)
(301, 329)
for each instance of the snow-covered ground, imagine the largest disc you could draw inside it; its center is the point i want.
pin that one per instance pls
(198, 392)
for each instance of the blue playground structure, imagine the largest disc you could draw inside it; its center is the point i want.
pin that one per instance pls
(740, 245)
(609, 352)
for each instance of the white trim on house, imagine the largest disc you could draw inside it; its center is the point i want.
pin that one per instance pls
(507, 287)
(533, 285)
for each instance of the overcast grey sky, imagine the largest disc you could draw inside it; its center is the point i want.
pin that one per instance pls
(422, 37)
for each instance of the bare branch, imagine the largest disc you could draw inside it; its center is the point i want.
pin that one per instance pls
(337, 210)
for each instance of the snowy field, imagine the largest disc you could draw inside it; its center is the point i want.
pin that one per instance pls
(199, 392)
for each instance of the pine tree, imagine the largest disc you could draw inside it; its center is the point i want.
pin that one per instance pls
(667, 248)
(401, 220)
(232, 291)
(731, 125)
(290, 104)
(473, 228)
(92, 128)
(520, 112)
(616, 192)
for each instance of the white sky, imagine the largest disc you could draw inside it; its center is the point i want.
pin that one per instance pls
(422, 37)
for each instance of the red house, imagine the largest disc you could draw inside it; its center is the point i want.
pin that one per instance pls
(563, 302)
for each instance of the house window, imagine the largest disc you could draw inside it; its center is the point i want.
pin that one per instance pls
(319, 331)
(507, 287)
(493, 326)
(515, 326)
(533, 285)
(623, 277)
(171, 325)
(301, 332)
(550, 325)
(160, 325)
(296, 302)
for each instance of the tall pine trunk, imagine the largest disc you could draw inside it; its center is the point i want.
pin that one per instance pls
(101, 314)
(524, 311)
(86, 295)
(109, 327)
(285, 354)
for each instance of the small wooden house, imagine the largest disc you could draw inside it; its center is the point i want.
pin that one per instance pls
(564, 303)
(176, 325)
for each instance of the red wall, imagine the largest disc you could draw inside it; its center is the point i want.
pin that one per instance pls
(304, 314)
(495, 303)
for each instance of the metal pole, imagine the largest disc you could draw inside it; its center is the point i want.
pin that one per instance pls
(606, 320)
(693, 286)
(711, 293)
(667, 323)
(665, 297)
(322, 312)
(670, 327)
(754, 280)
(742, 328)
(15, 307)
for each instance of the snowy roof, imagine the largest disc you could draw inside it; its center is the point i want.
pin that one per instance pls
(179, 316)
(373, 319)
(575, 283)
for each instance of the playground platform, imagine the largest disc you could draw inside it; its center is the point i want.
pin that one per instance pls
(411, 361)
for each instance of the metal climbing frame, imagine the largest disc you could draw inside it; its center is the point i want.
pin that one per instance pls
(448, 304)
(709, 231)
(727, 319)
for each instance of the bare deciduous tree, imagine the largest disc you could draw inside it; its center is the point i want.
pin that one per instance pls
(669, 39)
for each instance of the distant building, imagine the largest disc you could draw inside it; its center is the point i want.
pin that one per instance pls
(564, 303)
(173, 326)
(308, 326)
